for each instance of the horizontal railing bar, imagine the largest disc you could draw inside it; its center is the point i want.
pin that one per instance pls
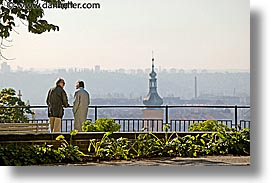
(71, 119)
(200, 119)
(142, 106)
(136, 119)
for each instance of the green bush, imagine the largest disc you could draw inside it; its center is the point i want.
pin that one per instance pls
(149, 145)
(101, 125)
(239, 142)
(208, 125)
(146, 145)
(22, 154)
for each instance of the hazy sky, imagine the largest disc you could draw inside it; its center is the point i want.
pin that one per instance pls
(188, 34)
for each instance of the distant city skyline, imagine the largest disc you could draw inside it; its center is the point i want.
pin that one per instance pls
(5, 67)
(127, 83)
(198, 34)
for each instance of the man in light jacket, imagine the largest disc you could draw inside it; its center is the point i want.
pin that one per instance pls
(80, 105)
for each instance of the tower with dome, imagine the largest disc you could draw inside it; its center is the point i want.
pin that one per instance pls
(153, 99)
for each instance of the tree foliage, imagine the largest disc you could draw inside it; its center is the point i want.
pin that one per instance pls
(8, 98)
(27, 11)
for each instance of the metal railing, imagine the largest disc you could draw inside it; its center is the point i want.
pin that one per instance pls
(244, 124)
(153, 124)
(140, 125)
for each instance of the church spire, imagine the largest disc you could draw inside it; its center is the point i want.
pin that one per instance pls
(153, 61)
(153, 74)
(153, 98)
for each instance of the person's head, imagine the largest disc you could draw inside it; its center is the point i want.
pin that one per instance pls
(60, 82)
(79, 84)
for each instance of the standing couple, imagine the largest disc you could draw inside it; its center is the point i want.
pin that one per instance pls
(57, 99)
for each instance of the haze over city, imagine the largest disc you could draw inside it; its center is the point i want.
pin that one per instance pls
(122, 34)
(173, 84)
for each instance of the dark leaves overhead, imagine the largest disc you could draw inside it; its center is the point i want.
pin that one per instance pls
(33, 17)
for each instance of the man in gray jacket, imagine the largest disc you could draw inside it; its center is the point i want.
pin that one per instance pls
(80, 105)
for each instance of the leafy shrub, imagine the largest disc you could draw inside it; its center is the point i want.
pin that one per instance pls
(208, 125)
(143, 146)
(149, 145)
(22, 154)
(69, 152)
(239, 142)
(101, 125)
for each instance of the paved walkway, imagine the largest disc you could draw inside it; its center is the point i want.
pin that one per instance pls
(203, 161)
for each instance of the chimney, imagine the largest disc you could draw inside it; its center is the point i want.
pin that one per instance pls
(196, 89)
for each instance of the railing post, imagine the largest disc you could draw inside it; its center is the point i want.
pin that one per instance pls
(95, 113)
(236, 117)
(22, 115)
(166, 114)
